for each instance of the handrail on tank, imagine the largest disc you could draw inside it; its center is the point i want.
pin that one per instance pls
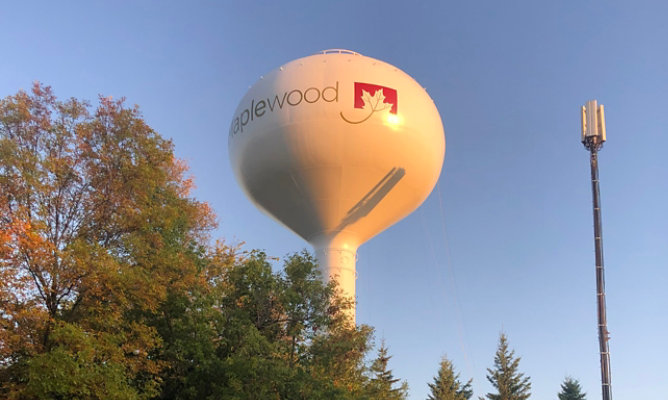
(339, 51)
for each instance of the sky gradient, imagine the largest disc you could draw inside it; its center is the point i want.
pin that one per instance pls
(505, 241)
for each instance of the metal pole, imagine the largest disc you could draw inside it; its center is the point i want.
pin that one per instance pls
(600, 279)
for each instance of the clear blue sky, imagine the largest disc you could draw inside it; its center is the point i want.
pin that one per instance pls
(505, 243)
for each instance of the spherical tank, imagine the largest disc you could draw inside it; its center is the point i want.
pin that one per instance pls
(337, 147)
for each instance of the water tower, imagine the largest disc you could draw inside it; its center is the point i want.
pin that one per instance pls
(337, 147)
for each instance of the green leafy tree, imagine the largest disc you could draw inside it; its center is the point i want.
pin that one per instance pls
(510, 384)
(382, 379)
(571, 390)
(265, 335)
(96, 229)
(447, 386)
(109, 288)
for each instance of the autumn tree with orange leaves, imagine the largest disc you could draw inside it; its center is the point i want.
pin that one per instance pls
(110, 289)
(96, 229)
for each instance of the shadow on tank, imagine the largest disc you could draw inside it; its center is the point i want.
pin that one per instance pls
(372, 198)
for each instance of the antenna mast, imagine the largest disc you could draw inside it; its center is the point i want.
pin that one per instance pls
(593, 136)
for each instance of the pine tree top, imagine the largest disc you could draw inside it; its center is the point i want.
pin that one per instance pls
(571, 390)
(505, 377)
(446, 385)
(383, 379)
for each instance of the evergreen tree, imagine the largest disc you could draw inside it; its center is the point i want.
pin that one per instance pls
(383, 380)
(447, 386)
(571, 390)
(509, 383)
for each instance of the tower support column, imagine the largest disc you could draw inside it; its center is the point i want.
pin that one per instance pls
(338, 263)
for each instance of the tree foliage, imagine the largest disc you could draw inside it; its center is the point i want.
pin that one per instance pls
(110, 288)
(273, 335)
(96, 228)
(447, 386)
(571, 390)
(510, 384)
(383, 381)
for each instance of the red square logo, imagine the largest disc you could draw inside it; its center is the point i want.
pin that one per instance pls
(387, 96)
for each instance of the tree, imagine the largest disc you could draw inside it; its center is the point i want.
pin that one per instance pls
(110, 289)
(383, 380)
(509, 383)
(96, 230)
(447, 386)
(571, 390)
(256, 334)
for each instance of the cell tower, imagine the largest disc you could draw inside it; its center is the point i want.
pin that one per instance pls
(593, 137)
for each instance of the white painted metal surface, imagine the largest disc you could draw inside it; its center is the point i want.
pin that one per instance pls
(337, 147)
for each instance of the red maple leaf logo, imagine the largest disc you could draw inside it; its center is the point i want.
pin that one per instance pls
(372, 90)
(374, 98)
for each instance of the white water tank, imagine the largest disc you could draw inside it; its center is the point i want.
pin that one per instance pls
(337, 147)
